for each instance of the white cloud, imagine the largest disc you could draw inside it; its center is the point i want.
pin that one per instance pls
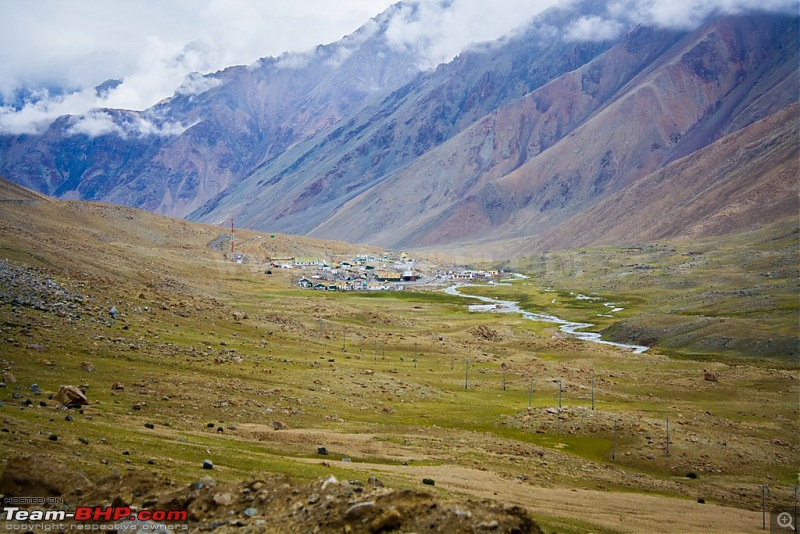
(148, 44)
(441, 29)
(687, 14)
(95, 123)
(59, 51)
(127, 124)
(294, 60)
(36, 115)
(196, 83)
(593, 29)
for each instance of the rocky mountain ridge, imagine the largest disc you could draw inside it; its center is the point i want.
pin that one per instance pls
(509, 141)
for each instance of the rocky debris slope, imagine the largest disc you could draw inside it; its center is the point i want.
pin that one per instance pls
(271, 504)
(24, 286)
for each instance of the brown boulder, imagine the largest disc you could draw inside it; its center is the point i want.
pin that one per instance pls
(71, 397)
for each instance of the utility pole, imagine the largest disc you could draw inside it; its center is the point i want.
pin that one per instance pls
(614, 443)
(233, 242)
(530, 395)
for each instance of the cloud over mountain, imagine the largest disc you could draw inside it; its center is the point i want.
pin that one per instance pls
(53, 54)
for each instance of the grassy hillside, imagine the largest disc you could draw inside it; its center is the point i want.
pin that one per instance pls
(221, 361)
(725, 299)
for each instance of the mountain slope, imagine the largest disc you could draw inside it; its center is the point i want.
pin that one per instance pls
(744, 181)
(215, 130)
(506, 142)
(585, 135)
(749, 178)
(304, 186)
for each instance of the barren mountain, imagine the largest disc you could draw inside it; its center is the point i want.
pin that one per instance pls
(733, 185)
(507, 142)
(591, 132)
(215, 130)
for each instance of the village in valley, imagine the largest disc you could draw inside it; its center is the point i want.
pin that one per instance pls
(367, 271)
(388, 272)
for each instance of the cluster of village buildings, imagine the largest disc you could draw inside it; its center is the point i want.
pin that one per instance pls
(369, 273)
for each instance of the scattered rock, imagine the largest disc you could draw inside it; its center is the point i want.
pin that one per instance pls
(357, 510)
(88, 367)
(224, 499)
(273, 504)
(389, 520)
(71, 397)
(8, 377)
(484, 332)
(117, 386)
(279, 425)
(710, 375)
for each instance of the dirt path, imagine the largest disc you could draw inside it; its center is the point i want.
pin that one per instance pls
(618, 511)
(625, 512)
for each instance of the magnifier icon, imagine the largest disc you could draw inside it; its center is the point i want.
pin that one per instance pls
(785, 520)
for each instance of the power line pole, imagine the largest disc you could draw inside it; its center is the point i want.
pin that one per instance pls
(233, 242)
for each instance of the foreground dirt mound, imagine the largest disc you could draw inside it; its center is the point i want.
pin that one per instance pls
(272, 504)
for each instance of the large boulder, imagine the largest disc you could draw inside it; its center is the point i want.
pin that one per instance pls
(71, 397)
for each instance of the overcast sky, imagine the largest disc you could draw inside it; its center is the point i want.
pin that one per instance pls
(153, 44)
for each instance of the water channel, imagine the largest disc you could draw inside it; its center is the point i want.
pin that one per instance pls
(567, 327)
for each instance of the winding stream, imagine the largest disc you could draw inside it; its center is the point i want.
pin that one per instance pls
(568, 327)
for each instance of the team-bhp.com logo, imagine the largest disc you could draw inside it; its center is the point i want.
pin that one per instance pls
(18, 519)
